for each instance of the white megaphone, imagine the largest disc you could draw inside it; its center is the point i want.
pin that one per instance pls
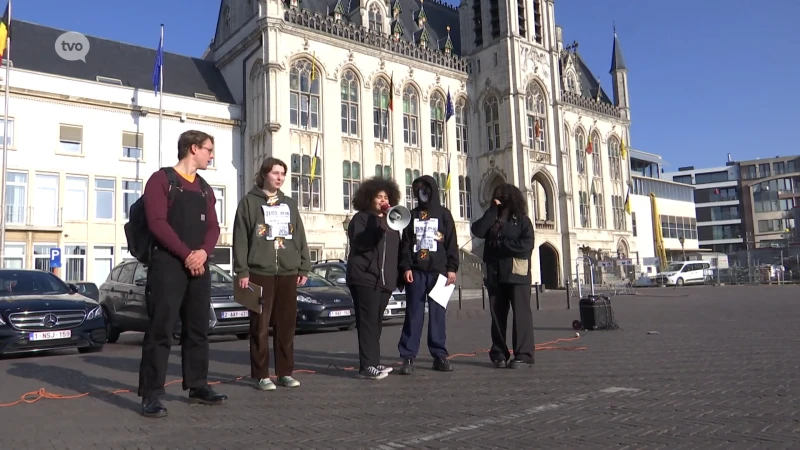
(398, 217)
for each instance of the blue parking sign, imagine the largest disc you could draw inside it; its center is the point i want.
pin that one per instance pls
(55, 258)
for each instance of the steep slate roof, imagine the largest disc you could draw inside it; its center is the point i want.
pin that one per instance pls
(617, 61)
(439, 16)
(33, 48)
(587, 81)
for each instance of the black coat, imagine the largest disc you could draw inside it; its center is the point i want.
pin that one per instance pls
(374, 252)
(506, 256)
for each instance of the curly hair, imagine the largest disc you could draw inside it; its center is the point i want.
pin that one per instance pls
(366, 193)
(511, 197)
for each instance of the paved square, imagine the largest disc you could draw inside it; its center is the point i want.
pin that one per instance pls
(721, 372)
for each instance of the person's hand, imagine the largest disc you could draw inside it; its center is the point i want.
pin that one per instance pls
(197, 271)
(408, 276)
(196, 259)
(451, 278)
(244, 282)
(497, 202)
(301, 280)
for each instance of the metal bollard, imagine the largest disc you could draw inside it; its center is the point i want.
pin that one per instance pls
(567, 286)
(459, 296)
(483, 297)
(538, 306)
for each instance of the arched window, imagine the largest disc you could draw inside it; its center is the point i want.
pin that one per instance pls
(375, 18)
(304, 95)
(411, 175)
(465, 197)
(462, 137)
(537, 118)
(380, 110)
(597, 163)
(349, 88)
(580, 151)
(437, 121)
(614, 159)
(491, 112)
(410, 117)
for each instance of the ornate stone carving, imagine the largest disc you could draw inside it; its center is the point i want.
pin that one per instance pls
(306, 44)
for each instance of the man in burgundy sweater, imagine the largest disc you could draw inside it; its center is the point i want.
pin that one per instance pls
(185, 229)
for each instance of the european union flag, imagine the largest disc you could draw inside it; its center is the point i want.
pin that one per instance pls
(157, 67)
(449, 111)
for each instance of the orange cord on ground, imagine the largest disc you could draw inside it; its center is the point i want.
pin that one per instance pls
(35, 396)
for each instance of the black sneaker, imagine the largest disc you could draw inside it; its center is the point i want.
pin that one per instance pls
(442, 365)
(206, 396)
(519, 363)
(500, 363)
(152, 407)
(372, 373)
(408, 367)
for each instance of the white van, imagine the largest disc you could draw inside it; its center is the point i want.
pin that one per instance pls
(685, 272)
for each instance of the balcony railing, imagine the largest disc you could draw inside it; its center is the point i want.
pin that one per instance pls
(33, 216)
(545, 224)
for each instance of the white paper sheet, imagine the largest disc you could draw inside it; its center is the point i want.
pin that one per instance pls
(440, 293)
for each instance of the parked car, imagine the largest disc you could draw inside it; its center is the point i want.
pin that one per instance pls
(322, 304)
(88, 289)
(38, 312)
(335, 271)
(123, 298)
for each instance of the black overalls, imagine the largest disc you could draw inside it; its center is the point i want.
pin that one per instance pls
(173, 292)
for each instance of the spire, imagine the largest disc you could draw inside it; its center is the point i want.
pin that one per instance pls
(617, 61)
(448, 45)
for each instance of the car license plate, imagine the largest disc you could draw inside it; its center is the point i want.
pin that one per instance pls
(344, 313)
(50, 335)
(235, 314)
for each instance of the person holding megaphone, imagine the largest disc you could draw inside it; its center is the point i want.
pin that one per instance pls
(372, 274)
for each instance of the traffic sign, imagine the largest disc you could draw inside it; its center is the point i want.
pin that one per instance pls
(55, 258)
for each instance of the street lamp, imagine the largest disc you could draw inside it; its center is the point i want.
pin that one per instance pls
(345, 226)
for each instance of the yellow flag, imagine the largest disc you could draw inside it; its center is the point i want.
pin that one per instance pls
(622, 149)
(313, 66)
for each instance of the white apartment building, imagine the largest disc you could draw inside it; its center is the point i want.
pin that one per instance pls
(317, 78)
(83, 139)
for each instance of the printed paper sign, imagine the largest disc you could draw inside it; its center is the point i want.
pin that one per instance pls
(426, 232)
(278, 219)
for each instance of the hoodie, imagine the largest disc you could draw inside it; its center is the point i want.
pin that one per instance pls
(256, 249)
(429, 242)
(374, 252)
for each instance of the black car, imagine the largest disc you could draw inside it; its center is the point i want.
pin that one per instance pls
(123, 298)
(322, 304)
(38, 312)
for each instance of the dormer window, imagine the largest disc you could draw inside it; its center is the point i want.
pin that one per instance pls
(375, 18)
(572, 85)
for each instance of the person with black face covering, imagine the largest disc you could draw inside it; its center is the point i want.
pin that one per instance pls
(508, 245)
(429, 248)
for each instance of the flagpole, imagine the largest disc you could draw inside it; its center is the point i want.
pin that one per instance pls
(5, 144)
(161, 97)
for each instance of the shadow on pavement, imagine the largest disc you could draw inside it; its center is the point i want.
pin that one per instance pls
(322, 363)
(132, 365)
(68, 380)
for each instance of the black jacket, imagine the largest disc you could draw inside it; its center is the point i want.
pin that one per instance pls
(507, 256)
(374, 252)
(445, 257)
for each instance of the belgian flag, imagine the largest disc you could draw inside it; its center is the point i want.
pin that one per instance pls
(5, 30)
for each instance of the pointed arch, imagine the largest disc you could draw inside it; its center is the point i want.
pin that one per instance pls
(490, 115)
(381, 114)
(597, 162)
(462, 108)
(549, 265)
(438, 107)
(544, 194)
(580, 149)
(623, 249)
(536, 115)
(410, 96)
(350, 98)
(305, 93)
(256, 104)
(614, 157)
(353, 68)
(320, 69)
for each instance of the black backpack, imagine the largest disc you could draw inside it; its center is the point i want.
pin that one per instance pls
(140, 240)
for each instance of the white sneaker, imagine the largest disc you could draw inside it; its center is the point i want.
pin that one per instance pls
(372, 373)
(265, 384)
(384, 369)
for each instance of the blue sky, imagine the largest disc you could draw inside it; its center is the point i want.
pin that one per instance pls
(707, 78)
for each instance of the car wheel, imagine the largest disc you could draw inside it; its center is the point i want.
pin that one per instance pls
(679, 282)
(243, 336)
(112, 332)
(348, 328)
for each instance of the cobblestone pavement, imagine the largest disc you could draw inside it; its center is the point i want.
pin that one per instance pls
(718, 374)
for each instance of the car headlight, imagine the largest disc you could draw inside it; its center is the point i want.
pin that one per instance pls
(306, 299)
(95, 313)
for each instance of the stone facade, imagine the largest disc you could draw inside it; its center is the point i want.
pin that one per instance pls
(524, 109)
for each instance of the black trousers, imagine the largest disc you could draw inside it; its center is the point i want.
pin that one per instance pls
(173, 292)
(518, 298)
(370, 303)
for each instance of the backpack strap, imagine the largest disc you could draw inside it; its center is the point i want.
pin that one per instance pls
(174, 183)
